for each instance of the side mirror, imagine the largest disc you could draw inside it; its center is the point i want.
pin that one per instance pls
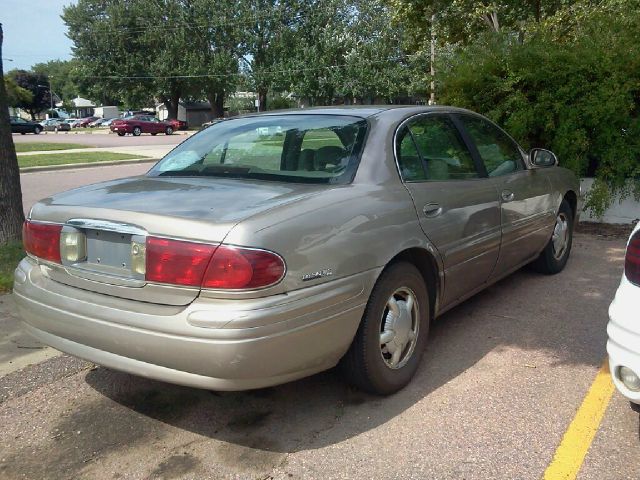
(541, 158)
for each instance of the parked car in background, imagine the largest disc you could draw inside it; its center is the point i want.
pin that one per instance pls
(177, 124)
(83, 122)
(107, 123)
(55, 125)
(97, 123)
(270, 247)
(20, 125)
(623, 345)
(211, 122)
(140, 124)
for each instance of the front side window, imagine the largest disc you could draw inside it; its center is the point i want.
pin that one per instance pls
(438, 153)
(499, 153)
(292, 148)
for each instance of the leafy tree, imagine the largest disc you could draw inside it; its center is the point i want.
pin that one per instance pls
(16, 94)
(37, 85)
(62, 75)
(11, 214)
(578, 93)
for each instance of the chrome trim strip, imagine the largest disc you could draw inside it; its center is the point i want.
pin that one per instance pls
(107, 226)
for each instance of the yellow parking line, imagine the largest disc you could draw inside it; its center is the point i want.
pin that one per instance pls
(577, 439)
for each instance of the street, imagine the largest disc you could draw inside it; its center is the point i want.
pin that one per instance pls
(100, 139)
(501, 381)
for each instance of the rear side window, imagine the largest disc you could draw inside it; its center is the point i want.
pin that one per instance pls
(499, 153)
(430, 148)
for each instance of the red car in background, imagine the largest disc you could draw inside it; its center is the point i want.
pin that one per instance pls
(178, 124)
(84, 122)
(140, 124)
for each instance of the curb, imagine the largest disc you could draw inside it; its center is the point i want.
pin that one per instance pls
(69, 166)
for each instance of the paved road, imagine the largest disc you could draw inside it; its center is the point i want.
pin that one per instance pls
(502, 378)
(101, 139)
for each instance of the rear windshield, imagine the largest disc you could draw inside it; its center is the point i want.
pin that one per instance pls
(292, 148)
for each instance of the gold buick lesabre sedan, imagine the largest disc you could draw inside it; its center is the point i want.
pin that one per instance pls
(270, 247)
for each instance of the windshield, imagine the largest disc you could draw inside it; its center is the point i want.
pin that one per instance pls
(292, 148)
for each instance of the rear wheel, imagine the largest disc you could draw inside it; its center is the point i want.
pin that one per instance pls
(37, 130)
(387, 348)
(121, 134)
(137, 131)
(169, 131)
(555, 255)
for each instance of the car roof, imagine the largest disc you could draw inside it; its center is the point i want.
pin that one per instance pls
(363, 111)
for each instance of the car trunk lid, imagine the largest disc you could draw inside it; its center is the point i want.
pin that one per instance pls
(115, 215)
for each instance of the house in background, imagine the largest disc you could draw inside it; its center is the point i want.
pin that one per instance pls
(194, 113)
(82, 107)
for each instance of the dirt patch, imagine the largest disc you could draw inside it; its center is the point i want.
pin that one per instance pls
(607, 230)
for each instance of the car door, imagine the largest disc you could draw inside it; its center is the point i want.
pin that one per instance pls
(18, 125)
(526, 200)
(458, 209)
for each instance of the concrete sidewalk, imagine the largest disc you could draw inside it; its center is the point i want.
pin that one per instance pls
(153, 151)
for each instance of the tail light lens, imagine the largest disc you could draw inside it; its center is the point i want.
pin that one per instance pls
(632, 260)
(241, 268)
(42, 240)
(177, 262)
(210, 266)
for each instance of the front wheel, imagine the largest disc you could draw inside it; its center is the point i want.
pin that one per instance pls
(555, 255)
(37, 130)
(121, 134)
(387, 348)
(137, 131)
(169, 131)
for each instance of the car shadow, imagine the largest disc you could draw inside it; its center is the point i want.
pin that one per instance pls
(562, 317)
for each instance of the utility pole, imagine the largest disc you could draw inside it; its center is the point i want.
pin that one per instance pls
(432, 97)
(51, 93)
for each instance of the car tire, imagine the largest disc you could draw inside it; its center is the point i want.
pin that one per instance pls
(37, 130)
(121, 134)
(373, 366)
(154, 134)
(554, 257)
(169, 131)
(137, 131)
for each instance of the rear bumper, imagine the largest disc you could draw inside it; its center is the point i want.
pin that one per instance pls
(212, 344)
(623, 330)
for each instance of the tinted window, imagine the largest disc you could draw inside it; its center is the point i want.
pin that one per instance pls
(499, 153)
(293, 148)
(439, 148)
(408, 157)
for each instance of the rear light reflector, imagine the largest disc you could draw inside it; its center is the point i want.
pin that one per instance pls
(632, 260)
(73, 246)
(243, 268)
(42, 240)
(177, 262)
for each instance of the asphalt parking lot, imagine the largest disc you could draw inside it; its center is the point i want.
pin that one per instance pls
(100, 138)
(500, 384)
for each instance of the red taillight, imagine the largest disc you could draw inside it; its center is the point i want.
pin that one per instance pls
(240, 268)
(210, 266)
(42, 240)
(632, 260)
(177, 262)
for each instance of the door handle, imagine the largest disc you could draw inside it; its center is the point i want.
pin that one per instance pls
(508, 195)
(432, 210)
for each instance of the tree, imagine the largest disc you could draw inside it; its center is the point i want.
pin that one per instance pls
(35, 83)
(11, 214)
(62, 75)
(16, 94)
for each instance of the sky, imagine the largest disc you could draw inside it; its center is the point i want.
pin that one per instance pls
(33, 32)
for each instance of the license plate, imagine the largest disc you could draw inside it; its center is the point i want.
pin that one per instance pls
(110, 249)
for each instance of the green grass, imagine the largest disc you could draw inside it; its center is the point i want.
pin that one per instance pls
(10, 256)
(43, 147)
(65, 158)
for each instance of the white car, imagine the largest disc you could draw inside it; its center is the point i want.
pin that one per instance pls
(623, 346)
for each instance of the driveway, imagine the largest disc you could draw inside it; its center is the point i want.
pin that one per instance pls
(501, 380)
